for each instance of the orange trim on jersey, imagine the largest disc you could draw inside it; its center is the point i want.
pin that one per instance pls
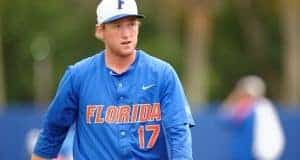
(99, 118)
(134, 113)
(141, 137)
(90, 111)
(124, 113)
(144, 112)
(156, 112)
(111, 114)
(155, 133)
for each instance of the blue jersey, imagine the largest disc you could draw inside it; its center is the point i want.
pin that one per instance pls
(139, 114)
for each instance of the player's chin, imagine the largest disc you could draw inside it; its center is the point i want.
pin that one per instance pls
(126, 53)
(127, 50)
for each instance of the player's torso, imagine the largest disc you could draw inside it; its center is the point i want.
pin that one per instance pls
(120, 115)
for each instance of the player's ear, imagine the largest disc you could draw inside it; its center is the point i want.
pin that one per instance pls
(99, 31)
(139, 23)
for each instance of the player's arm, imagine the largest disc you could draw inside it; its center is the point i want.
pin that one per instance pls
(180, 142)
(177, 117)
(60, 116)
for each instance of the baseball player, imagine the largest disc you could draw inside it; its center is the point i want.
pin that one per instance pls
(125, 103)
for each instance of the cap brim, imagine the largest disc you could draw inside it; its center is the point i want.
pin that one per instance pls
(114, 18)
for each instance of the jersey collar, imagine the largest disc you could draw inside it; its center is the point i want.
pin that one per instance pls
(130, 68)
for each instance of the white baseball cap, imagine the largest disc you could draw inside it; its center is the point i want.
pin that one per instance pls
(111, 10)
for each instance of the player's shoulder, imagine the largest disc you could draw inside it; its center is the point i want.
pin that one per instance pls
(88, 61)
(154, 63)
(86, 64)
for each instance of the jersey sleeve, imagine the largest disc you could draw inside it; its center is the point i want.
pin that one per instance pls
(177, 118)
(175, 108)
(60, 116)
(179, 140)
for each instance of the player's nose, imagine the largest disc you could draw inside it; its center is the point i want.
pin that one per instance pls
(125, 32)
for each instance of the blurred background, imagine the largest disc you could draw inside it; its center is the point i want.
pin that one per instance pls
(211, 44)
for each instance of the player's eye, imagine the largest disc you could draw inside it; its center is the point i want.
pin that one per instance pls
(117, 25)
(132, 23)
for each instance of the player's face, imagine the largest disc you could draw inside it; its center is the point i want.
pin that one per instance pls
(121, 36)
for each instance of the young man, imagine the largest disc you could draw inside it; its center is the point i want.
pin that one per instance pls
(125, 103)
